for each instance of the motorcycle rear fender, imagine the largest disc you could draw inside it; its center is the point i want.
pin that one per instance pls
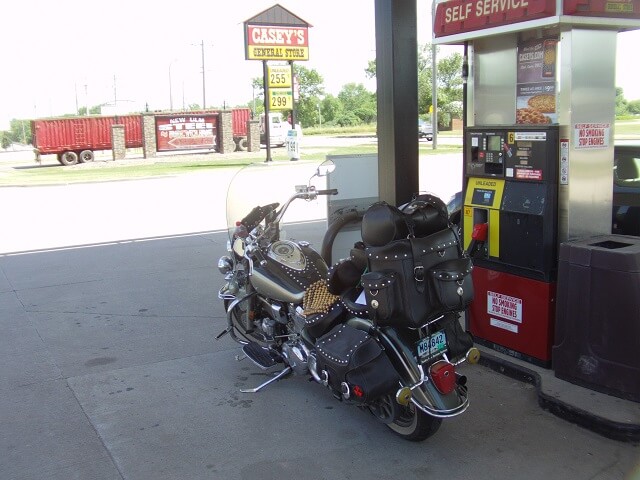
(425, 396)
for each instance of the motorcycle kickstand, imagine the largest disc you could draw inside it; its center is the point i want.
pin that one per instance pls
(284, 372)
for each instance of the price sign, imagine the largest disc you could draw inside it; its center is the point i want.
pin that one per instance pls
(279, 76)
(280, 99)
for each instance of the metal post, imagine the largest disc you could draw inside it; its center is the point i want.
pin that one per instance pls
(434, 94)
(293, 98)
(396, 74)
(267, 130)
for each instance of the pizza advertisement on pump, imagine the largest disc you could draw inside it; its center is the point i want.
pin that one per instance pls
(536, 85)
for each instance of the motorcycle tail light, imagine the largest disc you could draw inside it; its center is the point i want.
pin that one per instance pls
(443, 375)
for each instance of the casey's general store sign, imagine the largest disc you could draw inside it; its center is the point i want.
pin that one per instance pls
(279, 42)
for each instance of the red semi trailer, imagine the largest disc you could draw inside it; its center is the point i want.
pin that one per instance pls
(75, 139)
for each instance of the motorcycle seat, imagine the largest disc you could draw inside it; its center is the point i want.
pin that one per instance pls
(345, 275)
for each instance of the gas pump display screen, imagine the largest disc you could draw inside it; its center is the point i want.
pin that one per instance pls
(483, 196)
(493, 143)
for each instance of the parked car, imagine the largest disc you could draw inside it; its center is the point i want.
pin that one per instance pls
(626, 192)
(425, 130)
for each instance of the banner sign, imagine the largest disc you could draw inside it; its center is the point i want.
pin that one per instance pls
(536, 82)
(458, 16)
(281, 42)
(186, 132)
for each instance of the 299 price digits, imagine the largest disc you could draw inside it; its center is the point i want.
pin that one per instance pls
(280, 100)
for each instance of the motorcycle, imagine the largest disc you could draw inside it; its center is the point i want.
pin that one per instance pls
(351, 327)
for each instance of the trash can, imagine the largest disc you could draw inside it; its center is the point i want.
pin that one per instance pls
(597, 332)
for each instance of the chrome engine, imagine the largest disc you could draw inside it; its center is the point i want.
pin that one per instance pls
(297, 356)
(300, 357)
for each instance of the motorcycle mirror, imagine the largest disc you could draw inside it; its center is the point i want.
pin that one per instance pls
(325, 168)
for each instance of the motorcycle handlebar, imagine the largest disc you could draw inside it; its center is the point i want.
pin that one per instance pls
(332, 191)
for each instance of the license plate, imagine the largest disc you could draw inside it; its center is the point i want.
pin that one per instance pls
(432, 346)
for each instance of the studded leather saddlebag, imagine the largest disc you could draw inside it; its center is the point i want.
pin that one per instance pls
(354, 365)
(451, 287)
(411, 259)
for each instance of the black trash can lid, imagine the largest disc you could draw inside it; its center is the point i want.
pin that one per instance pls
(608, 252)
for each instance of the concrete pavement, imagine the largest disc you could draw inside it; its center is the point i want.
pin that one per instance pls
(109, 370)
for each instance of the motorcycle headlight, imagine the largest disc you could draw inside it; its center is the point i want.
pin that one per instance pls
(225, 265)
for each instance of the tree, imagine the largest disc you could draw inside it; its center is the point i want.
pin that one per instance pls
(19, 132)
(82, 111)
(450, 77)
(359, 105)
(311, 89)
(370, 71)
(425, 74)
(621, 103)
(449, 83)
(5, 139)
(331, 109)
(634, 107)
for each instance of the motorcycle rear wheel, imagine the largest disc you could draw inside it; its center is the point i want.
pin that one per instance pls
(414, 425)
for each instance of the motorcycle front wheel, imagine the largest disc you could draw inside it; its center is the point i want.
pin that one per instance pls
(238, 320)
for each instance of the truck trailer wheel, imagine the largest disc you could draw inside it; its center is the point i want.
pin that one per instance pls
(242, 144)
(86, 156)
(69, 158)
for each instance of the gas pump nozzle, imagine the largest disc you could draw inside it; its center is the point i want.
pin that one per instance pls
(478, 239)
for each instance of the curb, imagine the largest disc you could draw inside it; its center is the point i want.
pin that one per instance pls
(622, 432)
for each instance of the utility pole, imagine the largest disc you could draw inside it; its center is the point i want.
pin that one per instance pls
(170, 88)
(204, 88)
(204, 96)
(115, 95)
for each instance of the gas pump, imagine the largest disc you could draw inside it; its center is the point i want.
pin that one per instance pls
(538, 122)
(510, 180)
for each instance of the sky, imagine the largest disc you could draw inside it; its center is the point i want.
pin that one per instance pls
(68, 53)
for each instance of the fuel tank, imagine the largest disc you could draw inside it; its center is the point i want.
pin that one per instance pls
(290, 268)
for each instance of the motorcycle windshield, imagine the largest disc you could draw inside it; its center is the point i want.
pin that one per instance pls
(265, 183)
